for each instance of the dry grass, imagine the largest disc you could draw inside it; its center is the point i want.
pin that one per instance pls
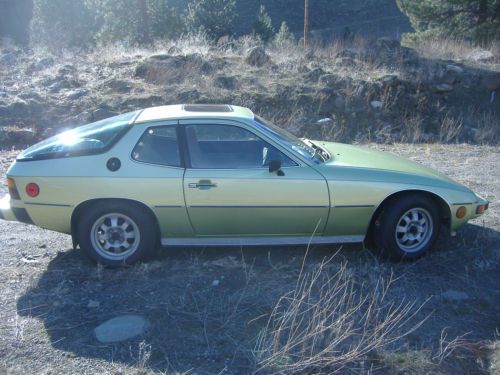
(331, 322)
(205, 328)
(454, 49)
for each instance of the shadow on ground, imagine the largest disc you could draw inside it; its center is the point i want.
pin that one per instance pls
(199, 325)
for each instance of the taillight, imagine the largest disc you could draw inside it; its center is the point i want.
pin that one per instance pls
(14, 194)
(32, 190)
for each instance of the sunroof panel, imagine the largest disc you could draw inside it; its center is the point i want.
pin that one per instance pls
(207, 108)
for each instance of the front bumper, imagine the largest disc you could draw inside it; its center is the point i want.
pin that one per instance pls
(9, 213)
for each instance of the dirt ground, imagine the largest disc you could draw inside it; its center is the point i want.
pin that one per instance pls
(207, 306)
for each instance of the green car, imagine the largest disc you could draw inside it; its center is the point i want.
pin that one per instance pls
(220, 175)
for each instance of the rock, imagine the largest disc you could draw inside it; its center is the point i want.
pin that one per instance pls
(454, 68)
(162, 69)
(390, 79)
(93, 304)
(66, 69)
(491, 81)
(44, 63)
(160, 56)
(8, 58)
(481, 56)
(350, 53)
(59, 85)
(189, 96)
(330, 103)
(142, 101)
(328, 79)
(76, 94)
(174, 51)
(314, 75)
(387, 43)
(455, 296)
(389, 51)
(16, 136)
(225, 82)
(325, 121)
(257, 56)
(376, 104)
(443, 88)
(118, 85)
(19, 108)
(215, 283)
(121, 328)
(102, 113)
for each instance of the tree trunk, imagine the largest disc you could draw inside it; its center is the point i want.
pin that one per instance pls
(482, 12)
(144, 26)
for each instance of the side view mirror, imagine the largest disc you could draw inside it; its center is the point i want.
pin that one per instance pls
(275, 166)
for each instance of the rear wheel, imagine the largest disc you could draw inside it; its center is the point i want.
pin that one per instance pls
(116, 234)
(406, 228)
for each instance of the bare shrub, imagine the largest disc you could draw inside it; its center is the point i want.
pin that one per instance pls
(330, 322)
(450, 129)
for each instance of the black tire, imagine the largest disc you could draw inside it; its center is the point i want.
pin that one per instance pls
(406, 228)
(132, 233)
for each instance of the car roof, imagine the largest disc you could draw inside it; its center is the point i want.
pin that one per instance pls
(187, 111)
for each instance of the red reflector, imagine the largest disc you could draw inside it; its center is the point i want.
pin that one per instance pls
(32, 190)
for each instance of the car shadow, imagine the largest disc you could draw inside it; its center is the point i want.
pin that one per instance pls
(206, 306)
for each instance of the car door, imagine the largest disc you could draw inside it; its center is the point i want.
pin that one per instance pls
(229, 190)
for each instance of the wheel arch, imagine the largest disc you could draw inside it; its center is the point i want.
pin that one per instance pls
(443, 207)
(82, 206)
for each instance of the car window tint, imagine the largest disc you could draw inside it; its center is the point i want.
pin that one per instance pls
(230, 147)
(158, 146)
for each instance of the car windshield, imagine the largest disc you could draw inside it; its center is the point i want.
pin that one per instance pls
(85, 140)
(289, 140)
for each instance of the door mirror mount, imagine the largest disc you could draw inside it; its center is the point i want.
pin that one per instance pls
(275, 166)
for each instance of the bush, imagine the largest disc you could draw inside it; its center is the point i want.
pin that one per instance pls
(213, 17)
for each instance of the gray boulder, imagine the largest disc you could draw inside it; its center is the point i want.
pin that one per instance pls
(102, 113)
(121, 328)
(225, 82)
(257, 56)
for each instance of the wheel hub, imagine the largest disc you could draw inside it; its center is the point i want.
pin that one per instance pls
(414, 230)
(115, 236)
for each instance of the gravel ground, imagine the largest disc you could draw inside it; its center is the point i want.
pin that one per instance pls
(207, 306)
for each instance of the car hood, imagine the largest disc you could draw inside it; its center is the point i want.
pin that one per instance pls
(361, 157)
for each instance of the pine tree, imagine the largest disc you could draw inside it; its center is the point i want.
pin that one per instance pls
(284, 36)
(61, 23)
(263, 26)
(478, 20)
(214, 17)
(135, 21)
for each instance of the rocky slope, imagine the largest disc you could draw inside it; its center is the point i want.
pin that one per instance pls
(359, 92)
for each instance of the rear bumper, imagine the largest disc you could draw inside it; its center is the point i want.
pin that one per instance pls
(9, 213)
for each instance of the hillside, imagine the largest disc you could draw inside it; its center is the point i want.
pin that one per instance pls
(359, 92)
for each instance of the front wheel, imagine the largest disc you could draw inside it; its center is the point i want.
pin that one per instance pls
(115, 234)
(407, 228)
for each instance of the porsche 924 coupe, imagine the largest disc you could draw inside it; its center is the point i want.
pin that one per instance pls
(220, 175)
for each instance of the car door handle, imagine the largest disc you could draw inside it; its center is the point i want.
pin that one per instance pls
(202, 185)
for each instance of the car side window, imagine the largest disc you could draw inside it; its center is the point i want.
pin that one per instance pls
(230, 147)
(158, 145)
